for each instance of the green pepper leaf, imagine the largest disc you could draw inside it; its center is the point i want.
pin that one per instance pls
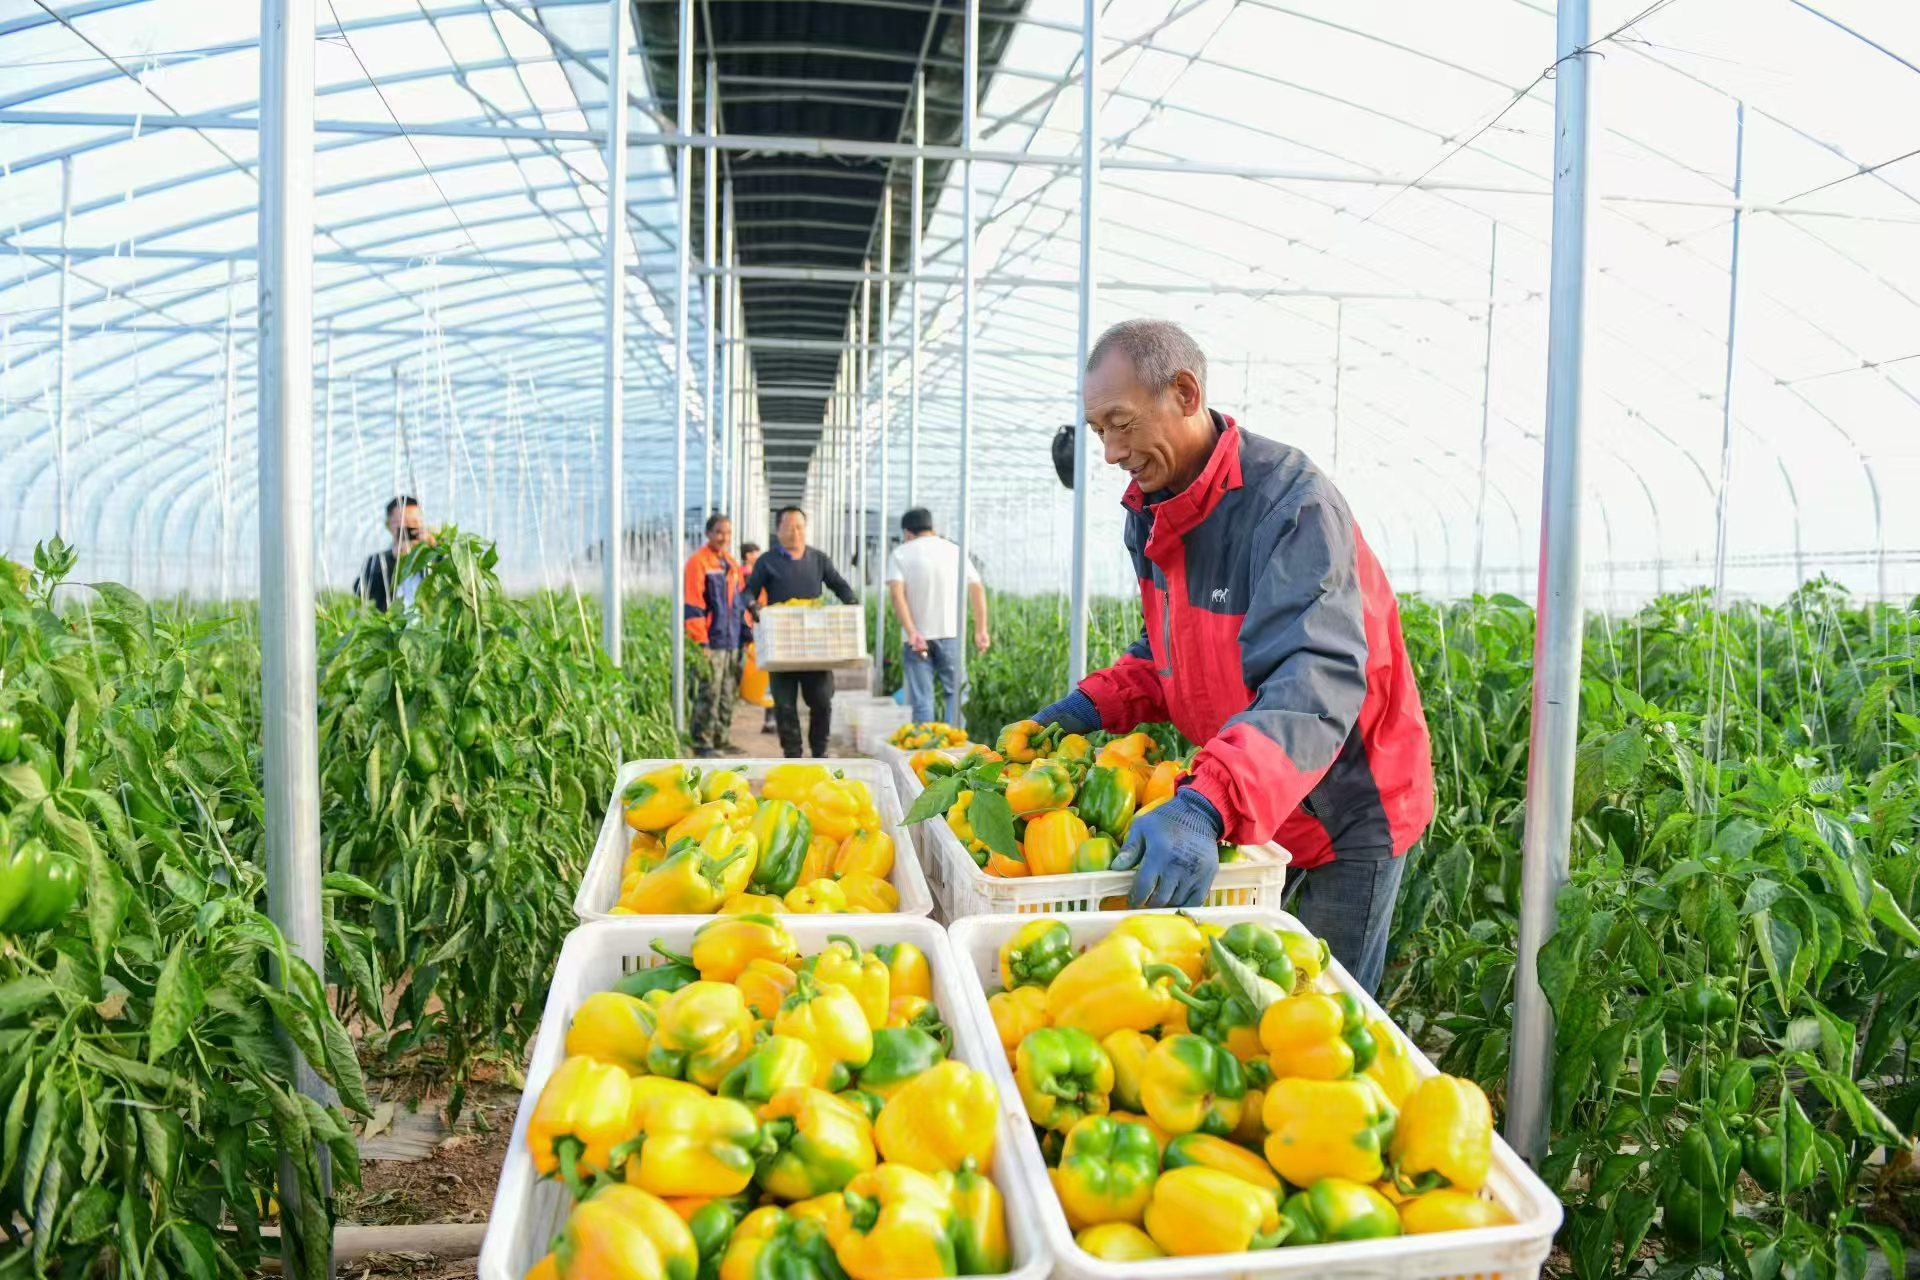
(992, 821)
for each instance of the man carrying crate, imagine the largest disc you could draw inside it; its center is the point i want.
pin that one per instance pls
(791, 570)
(1272, 639)
(716, 622)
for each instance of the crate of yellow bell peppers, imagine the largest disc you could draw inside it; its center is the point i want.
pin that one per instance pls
(1210, 1094)
(760, 1096)
(1033, 823)
(715, 837)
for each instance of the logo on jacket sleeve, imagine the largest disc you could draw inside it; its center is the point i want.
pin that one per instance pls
(1219, 595)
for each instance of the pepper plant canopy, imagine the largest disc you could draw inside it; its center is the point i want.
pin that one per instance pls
(1345, 200)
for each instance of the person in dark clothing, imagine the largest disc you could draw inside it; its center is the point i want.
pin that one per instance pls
(791, 570)
(376, 583)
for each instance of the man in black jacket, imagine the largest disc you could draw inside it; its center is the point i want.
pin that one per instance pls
(791, 570)
(409, 529)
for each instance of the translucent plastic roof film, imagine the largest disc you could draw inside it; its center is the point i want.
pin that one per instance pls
(1345, 200)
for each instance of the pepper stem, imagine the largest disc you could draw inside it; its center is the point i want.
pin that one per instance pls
(569, 1150)
(1155, 972)
(863, 1211)
(852, 946)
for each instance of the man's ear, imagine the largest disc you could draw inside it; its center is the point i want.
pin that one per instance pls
(1186, 393)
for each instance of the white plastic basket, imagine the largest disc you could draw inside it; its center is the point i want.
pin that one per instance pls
(1514, 1252)
(810, 638)
(600, 887)
(1258, 879)
(874, 721)
(528, 1211)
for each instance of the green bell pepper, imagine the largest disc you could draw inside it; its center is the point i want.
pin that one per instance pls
(9, 737)
(676, 973)
(776, 1063)
(1334, 1209)
(899, 1054)
(1262, 950)
(37, 886)
(783, 832)
(871, 1103)
(1106, 1171)
(1035, 954)
(1106, 801)
(1691, 1217)
(1063, 1075)
(1703, 1003)
(712, 1225)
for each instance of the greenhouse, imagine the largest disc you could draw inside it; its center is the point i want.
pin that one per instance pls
(883, 639)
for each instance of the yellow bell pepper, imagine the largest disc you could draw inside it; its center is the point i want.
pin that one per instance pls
(725, 784)
(1045, 787)
(1217, 1153)
(615, 1029)
(1129, 1050)
(869, 893)
(1052, 839)
(1327, 1129)
(893, 1223)
(696, 825)
(779, 1242)
(548, 1268)
(907, 968)
(1073, 746)
(623, 1233)
(818, 1143)
(1197, 1210)
(1017, 1014)
(696, 879)
(1393, 1067)
(704, 1029)
(834, 808)
(1106, 1172)
(1251, 1132)
(1160, 1136)
(1016, 741)
(1310, 958)
(1113, 984)
(644, 853)
(827, 1016)
(776, 1063)
(1450, 1210)
(902, 1011)
(1118, 1242)
(1191, 1084)
(584, 1111)
(655, 801)
(860, 971)
(723, 948)
(792, 782)
(1444, 1136)
(753, 904)
(979, 1231)
(869, 850)
(940, 1119)
(818, 897)
(962, 828)
(1172, 937)
(1162, 782)
(765, 986)
(1034, 954)
(818, 864)
(1312, 1036)
(694, 1147)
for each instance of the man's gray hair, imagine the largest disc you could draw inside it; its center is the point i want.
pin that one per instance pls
(1157, 350)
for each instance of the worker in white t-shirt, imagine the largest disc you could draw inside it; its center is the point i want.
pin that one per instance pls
(923, 575)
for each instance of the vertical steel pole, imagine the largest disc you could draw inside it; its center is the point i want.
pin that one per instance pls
(709, 226)
(969, 95)
(228, 401)
(1339, 359)
(1089, 192)
(290, 736)
(326, 485)
(1557, 636)
(613, 557)
(677, 507)
(1726, 381)
(886, 438)
(64, 377)
(860, 429)
(918, 215)
(1486, 397)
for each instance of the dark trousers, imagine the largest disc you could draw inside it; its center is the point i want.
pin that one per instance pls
(788, 688)
(1349, 902)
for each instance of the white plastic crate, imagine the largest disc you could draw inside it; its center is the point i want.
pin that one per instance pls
(528, 1211)
(874, 721)
(1258, 879)
(1513, 1252)
(600, 887)
(810, 638)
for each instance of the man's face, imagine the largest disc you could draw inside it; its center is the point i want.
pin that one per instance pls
(721, 536)
(406, 524)
(793, 529)
(1143, 430)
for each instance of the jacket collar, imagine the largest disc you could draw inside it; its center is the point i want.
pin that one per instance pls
(1178, 512)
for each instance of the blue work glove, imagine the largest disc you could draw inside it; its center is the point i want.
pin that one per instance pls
(1074, 713)
(1176, 848)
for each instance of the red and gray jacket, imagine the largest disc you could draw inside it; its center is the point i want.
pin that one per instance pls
(1273, 639)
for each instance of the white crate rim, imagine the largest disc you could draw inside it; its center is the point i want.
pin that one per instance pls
(1257, 866)
(600, 883)
(1509, 1251)
(633, 936)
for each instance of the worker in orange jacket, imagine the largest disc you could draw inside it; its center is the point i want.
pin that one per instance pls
(715, 620)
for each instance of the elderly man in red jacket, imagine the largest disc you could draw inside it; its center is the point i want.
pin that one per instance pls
(1272, 639)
